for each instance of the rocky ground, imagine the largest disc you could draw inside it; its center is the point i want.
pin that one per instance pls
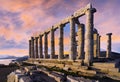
(48, 75)
(4, 71)
(42, 74)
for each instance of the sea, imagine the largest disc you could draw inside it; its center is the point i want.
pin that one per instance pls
(6, 61)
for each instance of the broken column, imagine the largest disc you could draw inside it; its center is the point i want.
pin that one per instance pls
(95, 47)
(40, 46)
(52, 44)
(80, 34)
(61, 42)
(36, 47)
(89, 35)
(45, 45)
(108, 52)
(98, 52)
(32, 47)
(72, 55)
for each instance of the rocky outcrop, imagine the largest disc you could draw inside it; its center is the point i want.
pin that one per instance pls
(42, 75)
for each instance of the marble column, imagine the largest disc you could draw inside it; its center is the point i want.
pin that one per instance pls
(108, 52)
(40, 46)
(89, 36)
(30, 49)
(61, 42)
(52, 44)
(95, 47)
(45, 45)
(72, 55)
(98, 52)
(36, 47)
(81, 31)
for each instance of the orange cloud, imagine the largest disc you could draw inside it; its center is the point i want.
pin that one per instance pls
(14, 52)
(115, 38)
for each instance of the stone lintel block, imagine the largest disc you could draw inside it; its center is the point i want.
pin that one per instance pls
(109, 34)
(65, 21)
(47, 32)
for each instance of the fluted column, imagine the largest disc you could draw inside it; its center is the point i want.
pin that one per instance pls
(95, 47)
(36, 47)
(81, 29)
(89, 36)
(72, 55)
(40, 46)
(52, 44)
(30, 49)
(45, 45)
(61, 42)
(98, 45)
(108, 52)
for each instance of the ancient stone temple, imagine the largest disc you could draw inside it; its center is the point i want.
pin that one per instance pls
(85, 46)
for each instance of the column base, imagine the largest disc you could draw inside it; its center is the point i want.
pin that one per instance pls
(88, 63)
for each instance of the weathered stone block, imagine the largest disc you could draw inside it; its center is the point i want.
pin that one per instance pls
(71, 79)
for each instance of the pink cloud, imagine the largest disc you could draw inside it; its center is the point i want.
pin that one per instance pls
(39, 15)
(14, 52)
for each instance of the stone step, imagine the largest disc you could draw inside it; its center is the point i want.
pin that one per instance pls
(110, 65)
(107, 69)
(114, 75)
(114, 70)
(88, 72)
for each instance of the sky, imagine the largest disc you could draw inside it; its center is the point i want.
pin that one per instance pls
(21, 19)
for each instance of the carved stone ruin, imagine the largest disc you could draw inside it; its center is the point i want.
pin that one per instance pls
(88, 42)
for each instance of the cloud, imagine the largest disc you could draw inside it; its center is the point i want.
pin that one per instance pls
(20, 19)
(14, 52)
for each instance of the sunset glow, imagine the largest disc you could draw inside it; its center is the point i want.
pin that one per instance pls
(20, 19)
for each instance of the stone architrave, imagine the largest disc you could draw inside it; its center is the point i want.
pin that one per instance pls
(108, 52)
(72, 55)
(52, 44)
(61, 42)
(40, 46)
(30, 49)
(36, 47)
(89, 36)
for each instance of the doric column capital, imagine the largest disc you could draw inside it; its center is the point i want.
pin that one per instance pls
(62, 25)
(109, 34)
(36, 38)
(32, 38)
(90, 10)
